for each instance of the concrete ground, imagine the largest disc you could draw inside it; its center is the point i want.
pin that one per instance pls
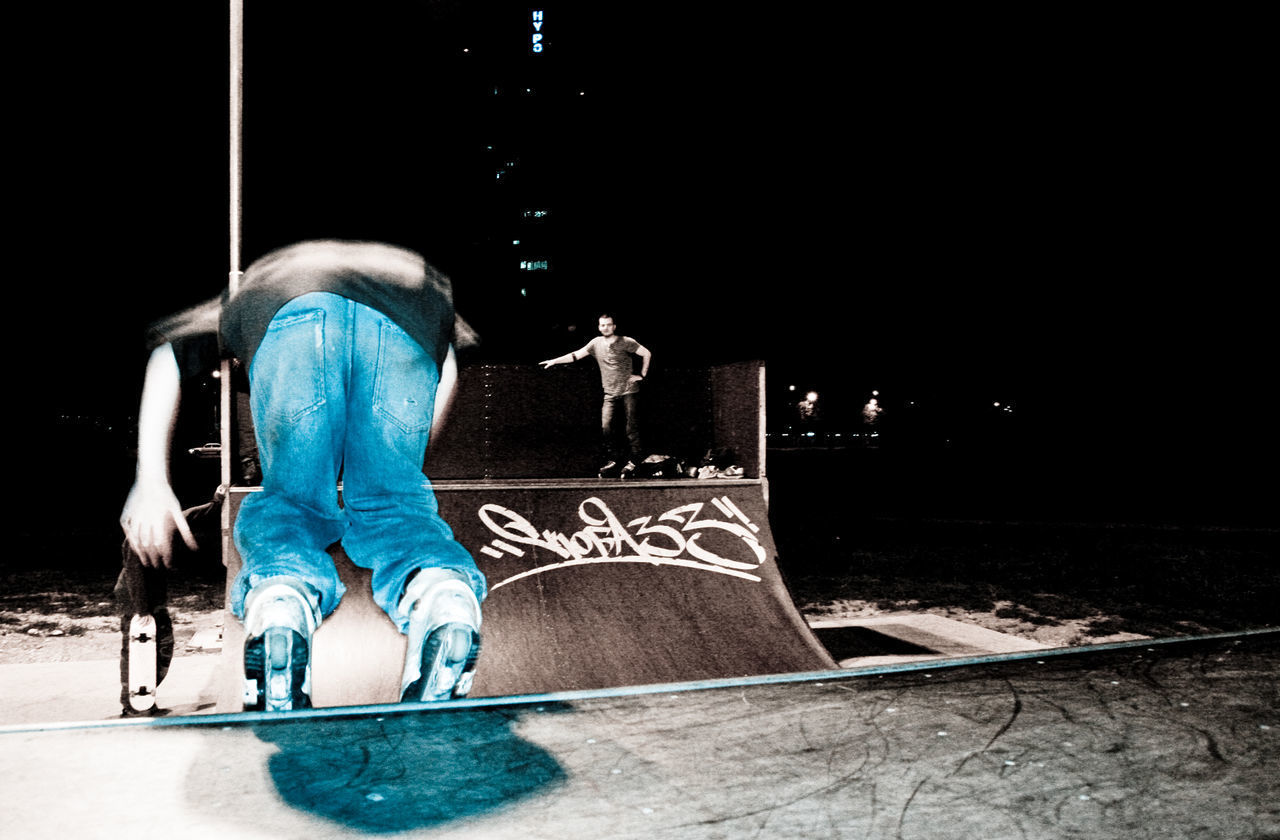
(61, 692)
(1161, 739)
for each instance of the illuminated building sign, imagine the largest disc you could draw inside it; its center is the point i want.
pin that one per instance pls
(534, 265)
(535, 43)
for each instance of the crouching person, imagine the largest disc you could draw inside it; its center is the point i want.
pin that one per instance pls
(349, 348)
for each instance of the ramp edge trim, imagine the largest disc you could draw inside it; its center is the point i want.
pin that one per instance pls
(228, 720)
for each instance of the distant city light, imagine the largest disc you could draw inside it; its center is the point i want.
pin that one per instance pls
(871, 411)
(535, 43)
(807, 408)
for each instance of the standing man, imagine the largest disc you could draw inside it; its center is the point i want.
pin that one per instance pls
(350, 357)
(613, 353)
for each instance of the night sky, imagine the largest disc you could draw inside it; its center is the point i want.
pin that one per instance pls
(1045, 210)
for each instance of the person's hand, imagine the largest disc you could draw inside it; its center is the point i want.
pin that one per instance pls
(151, 514)
(548, 363)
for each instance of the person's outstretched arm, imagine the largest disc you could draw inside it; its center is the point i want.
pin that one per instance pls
(152, 512)
(567, 358)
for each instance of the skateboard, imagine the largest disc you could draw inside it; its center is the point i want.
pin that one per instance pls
(142, 662)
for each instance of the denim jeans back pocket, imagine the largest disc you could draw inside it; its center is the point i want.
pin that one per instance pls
(407, 379)
(289, 368)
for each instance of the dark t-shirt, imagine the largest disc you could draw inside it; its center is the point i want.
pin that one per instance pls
(397, 282)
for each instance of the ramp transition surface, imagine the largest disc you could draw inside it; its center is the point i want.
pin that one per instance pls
(591, 585)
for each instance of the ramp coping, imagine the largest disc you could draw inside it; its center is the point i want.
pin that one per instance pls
(583, 483)
(238, 719)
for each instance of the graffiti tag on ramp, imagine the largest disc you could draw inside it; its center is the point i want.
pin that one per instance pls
(676, 537)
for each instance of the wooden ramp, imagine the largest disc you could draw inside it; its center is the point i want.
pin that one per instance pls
(593, 584)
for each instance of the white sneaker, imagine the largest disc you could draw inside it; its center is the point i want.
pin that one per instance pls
(443, 636)
(281, 615)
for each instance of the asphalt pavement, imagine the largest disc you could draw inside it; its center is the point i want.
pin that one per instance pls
(1161, 739)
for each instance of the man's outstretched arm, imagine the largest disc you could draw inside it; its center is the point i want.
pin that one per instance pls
(567, 358)
(152, 511)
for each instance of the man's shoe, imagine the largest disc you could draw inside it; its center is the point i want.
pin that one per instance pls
(281, 615)
(629, 470)
(443, 636)
(609, 470)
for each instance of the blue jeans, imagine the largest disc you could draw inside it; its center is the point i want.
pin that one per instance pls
(337, 388)
(609, 444)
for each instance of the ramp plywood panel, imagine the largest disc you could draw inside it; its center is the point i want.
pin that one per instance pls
(592, 585)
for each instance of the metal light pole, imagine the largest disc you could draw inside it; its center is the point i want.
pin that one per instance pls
(236, 119)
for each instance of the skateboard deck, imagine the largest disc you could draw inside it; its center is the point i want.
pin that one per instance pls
(142, 662)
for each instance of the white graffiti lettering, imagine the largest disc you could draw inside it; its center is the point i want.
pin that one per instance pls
(606, 539)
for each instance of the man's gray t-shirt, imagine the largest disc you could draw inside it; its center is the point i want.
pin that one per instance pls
(615, 363)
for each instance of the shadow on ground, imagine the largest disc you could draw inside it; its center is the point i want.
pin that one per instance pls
(389, 774)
